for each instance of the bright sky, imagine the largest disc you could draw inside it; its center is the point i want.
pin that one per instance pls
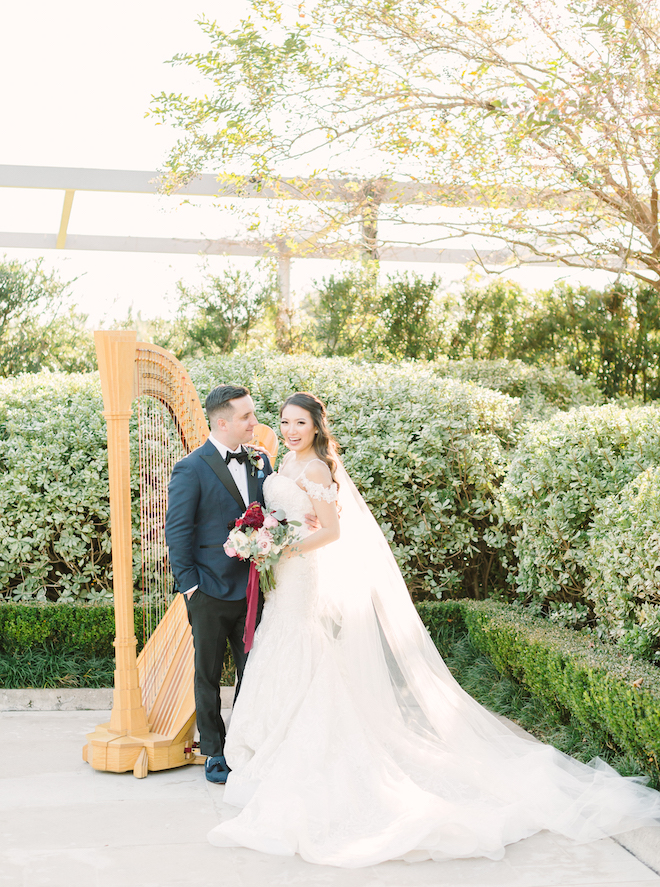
(76, 79)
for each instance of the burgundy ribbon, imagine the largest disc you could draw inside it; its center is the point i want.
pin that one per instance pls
(252, 595)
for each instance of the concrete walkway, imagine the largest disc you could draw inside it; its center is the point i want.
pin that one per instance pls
(63, 824)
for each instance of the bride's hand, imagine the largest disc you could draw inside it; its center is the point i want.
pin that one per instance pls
(290, 551)
(312, 522)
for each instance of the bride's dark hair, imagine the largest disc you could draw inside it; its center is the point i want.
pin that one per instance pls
(325, 446)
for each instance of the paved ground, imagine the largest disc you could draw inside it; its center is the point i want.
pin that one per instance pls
(64, 825)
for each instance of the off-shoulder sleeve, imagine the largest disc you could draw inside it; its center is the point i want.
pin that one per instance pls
(318, 491)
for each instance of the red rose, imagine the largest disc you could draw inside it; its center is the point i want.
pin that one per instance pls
(253, 517)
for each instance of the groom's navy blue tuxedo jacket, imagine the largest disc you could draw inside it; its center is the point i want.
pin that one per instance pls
(203, 500)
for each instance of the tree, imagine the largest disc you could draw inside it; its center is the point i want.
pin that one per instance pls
(406, 311)
(611, 336)
(218, 316)
(37, 329)
(344, 311)
(542, 114)
(491, 322)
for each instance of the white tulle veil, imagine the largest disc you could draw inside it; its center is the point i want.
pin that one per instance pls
(408, 696)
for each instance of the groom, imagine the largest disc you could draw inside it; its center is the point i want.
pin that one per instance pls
(209, 489)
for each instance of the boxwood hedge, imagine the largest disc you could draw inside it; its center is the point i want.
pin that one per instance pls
(614, 698)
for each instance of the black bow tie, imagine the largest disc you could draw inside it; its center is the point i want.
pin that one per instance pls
(241, 456)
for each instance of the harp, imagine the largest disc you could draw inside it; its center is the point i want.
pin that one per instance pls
(152, 721)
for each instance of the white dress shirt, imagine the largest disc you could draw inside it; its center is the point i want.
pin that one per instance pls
(239, 472)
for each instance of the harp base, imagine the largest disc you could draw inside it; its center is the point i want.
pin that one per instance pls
(149, 751)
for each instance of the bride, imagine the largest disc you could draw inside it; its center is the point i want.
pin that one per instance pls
(351, 743)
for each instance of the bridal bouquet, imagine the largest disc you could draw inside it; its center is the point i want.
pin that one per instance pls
(259, 536)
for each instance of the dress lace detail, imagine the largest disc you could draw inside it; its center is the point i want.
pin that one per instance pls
(318, 491)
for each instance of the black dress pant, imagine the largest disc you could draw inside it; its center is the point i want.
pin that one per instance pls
(214, 622)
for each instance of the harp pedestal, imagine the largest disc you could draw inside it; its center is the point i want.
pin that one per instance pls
(151, 751)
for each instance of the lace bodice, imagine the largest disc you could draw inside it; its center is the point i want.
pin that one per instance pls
(295, 578)
(283, 492)
(318, 491)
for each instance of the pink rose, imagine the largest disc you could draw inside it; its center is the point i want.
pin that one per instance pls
(264, 540)
(270, 522)
(229, 551)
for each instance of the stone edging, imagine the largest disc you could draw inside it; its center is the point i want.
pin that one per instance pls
(73, 699)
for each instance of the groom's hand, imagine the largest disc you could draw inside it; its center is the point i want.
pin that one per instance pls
(312, 522)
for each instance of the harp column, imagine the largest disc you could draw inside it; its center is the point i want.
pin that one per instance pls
(116, 357)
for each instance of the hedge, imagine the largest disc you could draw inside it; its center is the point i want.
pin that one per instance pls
(65, 644)
(542, 390)
(559, 479)
(615, 699)
(54, 506)
(84, 628)
(427, 453)
(623, 566)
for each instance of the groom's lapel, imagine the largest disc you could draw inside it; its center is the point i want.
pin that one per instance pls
(213, 458)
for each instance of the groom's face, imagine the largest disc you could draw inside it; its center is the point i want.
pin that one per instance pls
(237, 427)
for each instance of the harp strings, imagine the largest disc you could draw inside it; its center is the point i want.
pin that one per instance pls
(161, 444)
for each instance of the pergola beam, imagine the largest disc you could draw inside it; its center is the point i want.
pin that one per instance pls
(370, 194)
(377, 191)
(110, 243)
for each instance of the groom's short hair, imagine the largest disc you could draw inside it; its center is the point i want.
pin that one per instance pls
(219, 399)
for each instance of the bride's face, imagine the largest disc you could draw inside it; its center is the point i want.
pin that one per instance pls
(298, 429)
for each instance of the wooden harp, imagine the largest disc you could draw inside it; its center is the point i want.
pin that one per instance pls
(152, 722)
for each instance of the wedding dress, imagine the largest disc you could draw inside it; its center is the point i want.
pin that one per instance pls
(351, 743)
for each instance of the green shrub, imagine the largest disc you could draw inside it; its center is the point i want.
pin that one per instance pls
(82, 628)
(542, 390)
(559, 478)
(426, 453)
(623, 566)
(54, 510)
(615, 700)
(54, 502)
(67, 644)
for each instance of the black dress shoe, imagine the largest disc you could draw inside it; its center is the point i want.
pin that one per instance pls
(216, 769)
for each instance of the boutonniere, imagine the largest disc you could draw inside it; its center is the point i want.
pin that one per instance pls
(255, 459)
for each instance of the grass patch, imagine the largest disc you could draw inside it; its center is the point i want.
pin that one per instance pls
(69, 668)
(56, 668)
